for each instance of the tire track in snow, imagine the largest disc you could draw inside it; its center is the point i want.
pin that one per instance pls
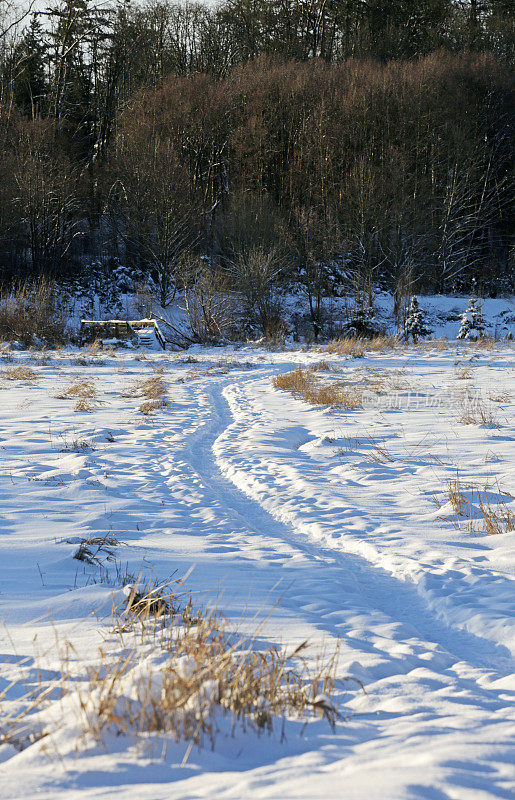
(374, 590)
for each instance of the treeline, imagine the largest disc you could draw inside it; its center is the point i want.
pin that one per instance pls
(271, 141)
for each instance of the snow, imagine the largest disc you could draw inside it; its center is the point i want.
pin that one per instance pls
(328, 525)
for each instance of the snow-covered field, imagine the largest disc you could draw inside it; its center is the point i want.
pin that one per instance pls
(329, 524)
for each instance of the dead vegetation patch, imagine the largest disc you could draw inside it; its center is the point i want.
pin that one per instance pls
(304, 384)
(181, 673)
(483, 510)
(96, 549)
(356, 347)
(80, 388)
(479, 414)
(348, 393)
(20, 373)
(84, 393)
(153, 391)
(33, 313)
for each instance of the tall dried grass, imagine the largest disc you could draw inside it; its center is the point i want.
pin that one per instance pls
(497, 517)
(83, 391)
(303, 383)
(493, 517)
(356, 347)
(33, 313)
(20, 373)
(154, 391)
(479, 413)
(171, 670)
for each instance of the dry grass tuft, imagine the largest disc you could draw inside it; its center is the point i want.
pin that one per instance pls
(84, 404)
(479, 414)
(20, 373)
(433, 344)
(356, 347)
(456, 498)
(154, 391)
(96, 549)
(478, 513)
(503, 397)
(81, 388)
(380, 455)
(302, 382)
(220, 367)
(179, 673)
(201, 670)
(148, 407)
(321, 366)
(463, 373)
(296, 381)
(497, 517)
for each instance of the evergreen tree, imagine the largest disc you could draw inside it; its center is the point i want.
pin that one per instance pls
(31, 81)
(362, 323)
(414, 325)
(472, 322)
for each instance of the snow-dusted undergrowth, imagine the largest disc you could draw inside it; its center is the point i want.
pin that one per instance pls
(344, 523)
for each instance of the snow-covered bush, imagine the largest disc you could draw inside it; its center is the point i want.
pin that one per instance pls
(472, 322)
(414, 324)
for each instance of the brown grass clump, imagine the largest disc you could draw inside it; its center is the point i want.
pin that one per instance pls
(357, 347)
(463, 373)
(151, 388)
(497, 517)
(149, 406)
(206, 672)
(19, 373)
(302, 382)
(80, 388)
(480, 414)
(380, 455)
(83, 404)
(320, 366)
(433, 344)
(154, 391)
(178, 672)
(296, 381)
(493, 518)
(455, 495)
(96, 346)
(503, 397)
(84, 392)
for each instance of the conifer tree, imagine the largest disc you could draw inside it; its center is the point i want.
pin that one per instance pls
(472, 322)
(414, 325)
(31, 79)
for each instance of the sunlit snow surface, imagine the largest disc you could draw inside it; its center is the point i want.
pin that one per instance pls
(275, 502)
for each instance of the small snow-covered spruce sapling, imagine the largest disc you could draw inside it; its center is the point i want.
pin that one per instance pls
(472, 322)
(414, 324)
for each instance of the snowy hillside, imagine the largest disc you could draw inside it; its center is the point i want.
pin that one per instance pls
(382, 526)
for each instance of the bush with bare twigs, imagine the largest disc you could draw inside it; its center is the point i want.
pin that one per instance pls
(33, 313)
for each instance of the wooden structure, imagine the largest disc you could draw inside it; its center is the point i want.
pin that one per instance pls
(123, 330)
